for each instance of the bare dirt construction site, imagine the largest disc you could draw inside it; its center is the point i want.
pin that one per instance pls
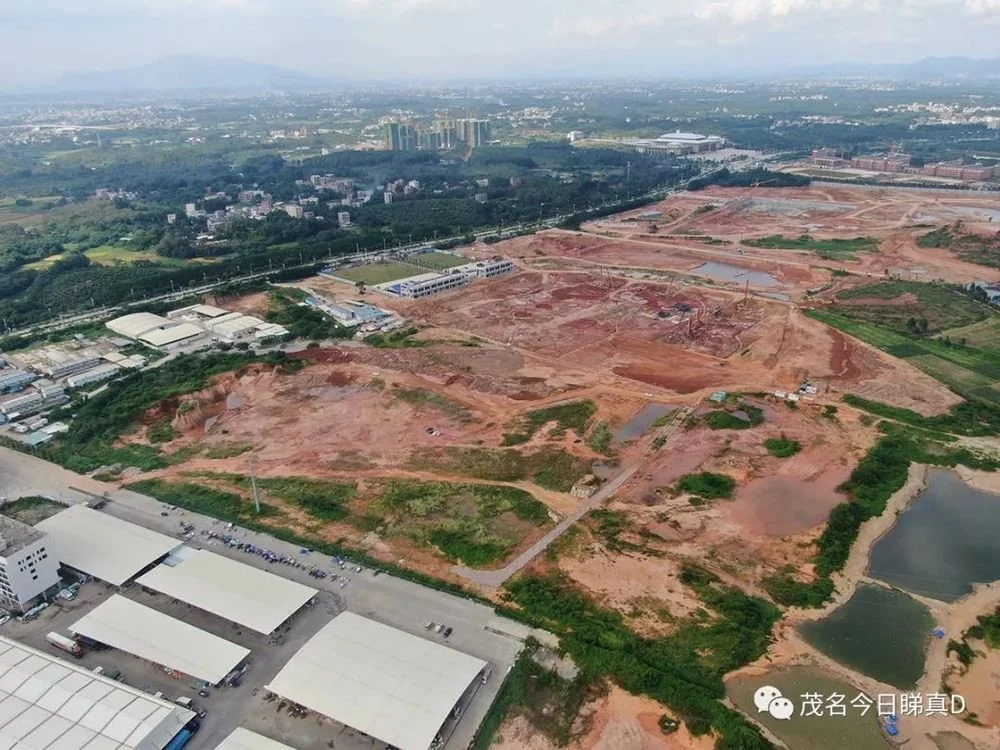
(715, 223)
(464, 439)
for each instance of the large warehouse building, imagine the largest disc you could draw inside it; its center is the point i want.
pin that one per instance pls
(157, 331)
(244, 739)
(47, 703)
(138, 630)
(238, 592)
(393, 686)
(103, 546)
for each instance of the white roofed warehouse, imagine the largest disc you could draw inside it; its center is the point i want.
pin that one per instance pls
(47, 703)
(244, 739)
(103, 546)
(255, 598)
(393, 686)
(138, 630)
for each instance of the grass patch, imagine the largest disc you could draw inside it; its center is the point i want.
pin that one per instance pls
(708, 485)
(201, 499)
(982, 335)
(400, 339)
(833, 249)
(421, 397)
(379, 273)
(782, 447)
(323, 499)
(437, 261)
(31, 510)
(160, 432)
(910, 307)
(574, 416)
(464, 521)
(600, 439)
(741, 416)
(228, 450)
(552, 469)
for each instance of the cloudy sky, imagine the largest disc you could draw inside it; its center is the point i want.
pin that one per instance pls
(463, 39)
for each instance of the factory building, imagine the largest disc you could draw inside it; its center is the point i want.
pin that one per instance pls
(12, 380)
(350, 312)
(157, 331)
(420, 287)
(489, 268)
(95, 375)
(42, 395)
(70, 366)
(27, 570)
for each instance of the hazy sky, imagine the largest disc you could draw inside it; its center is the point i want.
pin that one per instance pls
(442, 39)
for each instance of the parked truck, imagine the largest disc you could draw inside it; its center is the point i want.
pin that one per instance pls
(66, 644)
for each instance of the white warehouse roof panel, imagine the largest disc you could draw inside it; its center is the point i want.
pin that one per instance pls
(71, 708)
(164, 336)
(389, 684)
(103, 546)
(244, 739)
(136, 324)
(139, 630)
(233, 590)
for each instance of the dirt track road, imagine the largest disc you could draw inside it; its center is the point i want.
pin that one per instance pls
(496, 578)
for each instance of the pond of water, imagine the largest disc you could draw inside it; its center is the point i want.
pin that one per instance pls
(641, 422)
(810, 732)
(728, 272)
(943, 543)
(880, 632)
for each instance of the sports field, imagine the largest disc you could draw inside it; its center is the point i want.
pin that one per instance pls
(380, 273)
(437, 261)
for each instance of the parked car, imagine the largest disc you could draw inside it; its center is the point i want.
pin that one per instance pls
(447, 631)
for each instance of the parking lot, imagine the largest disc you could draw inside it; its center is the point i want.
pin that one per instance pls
(384, 598)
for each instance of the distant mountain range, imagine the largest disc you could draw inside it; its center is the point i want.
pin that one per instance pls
(930, 67)
(196, 73)
(191, 73)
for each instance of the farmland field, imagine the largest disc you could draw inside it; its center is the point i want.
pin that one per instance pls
(900, 305)
(380, 273)
(983, 335)
(968, 371)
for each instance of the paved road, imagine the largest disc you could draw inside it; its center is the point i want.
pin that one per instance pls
(496, 578)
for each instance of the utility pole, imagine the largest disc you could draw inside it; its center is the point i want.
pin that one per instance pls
(253, 485)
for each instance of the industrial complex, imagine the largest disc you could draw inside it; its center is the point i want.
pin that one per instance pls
(119, 601)
(194, 327)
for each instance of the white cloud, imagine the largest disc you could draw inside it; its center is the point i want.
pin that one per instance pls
(982, 7)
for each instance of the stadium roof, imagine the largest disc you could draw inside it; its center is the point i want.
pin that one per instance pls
(163, 336)
(136, 629)
(136, 324)
(244, 739)
(391, 685)
(233, 590)
(103, 546)
(47, 703)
